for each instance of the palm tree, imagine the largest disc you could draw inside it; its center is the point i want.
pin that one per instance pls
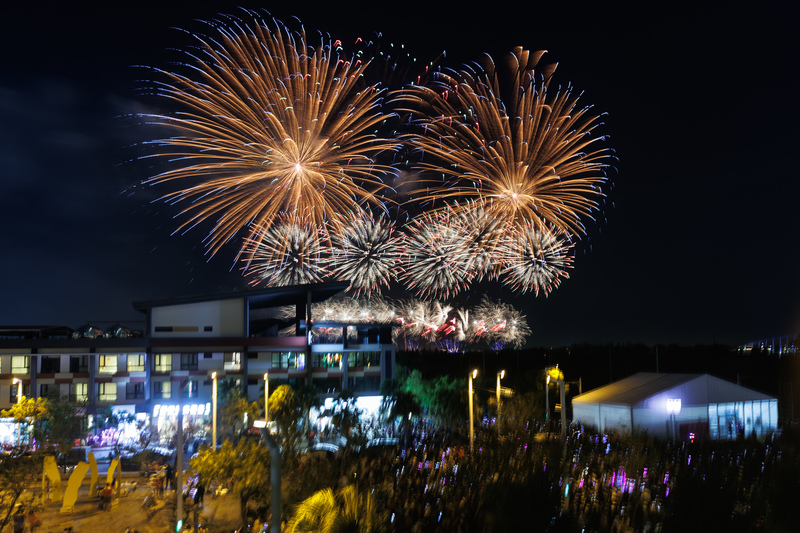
(345, 512)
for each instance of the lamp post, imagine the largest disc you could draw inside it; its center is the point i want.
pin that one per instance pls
(214, 411)
(266, 397)
(179, 459)
(500, 375)
(472, 375)
(18, 383)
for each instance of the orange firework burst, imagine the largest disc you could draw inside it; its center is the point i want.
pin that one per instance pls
(528, 157)
(269, 125)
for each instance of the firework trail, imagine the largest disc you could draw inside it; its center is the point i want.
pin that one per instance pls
(530, 156)
(364, 251)
(286, 253)
(268, 125)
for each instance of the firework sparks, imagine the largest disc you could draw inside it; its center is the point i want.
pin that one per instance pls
(364, 251)
(286, 253)
(536, 259)
(532, 158)
(435, 256)
(268, 125)
(500, 324)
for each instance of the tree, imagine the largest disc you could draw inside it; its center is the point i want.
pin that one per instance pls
(18, 472)
(244, 467)
(286, 411)
(233, 406)
(62, 424)
(344, 512)
(29, 411)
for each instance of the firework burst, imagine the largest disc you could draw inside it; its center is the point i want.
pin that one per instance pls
(434, 259)
(536, 259)
(269, 125)
(364, 251)
(532, 157)
(499, 324)
(286, 253)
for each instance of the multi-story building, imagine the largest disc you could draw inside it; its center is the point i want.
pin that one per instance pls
(242, 336)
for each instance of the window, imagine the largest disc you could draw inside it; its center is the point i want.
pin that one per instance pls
(162, 390)
(364, 384)
(79, 392)
(51, 364)
(233, 361)
(134, 391)
(191, 390)
(47, 390)
(15, 387)
(188, 361)
(327, 360)
(365, 359)
(108, 364)
(78, 363)
(162, 362)
(135, 362)
(107, 392)
(20, 364)
(327, 385)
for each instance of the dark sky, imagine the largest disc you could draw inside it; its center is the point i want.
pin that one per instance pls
(698, 241)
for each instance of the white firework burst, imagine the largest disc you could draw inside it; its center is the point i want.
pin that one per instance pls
(536, 258)
(434, 256)
(286, 253)
(364, 252)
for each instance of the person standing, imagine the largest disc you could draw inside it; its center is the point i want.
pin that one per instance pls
(33, 521)
(19, 521)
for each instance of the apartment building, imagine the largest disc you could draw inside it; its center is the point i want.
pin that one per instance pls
(240, 336)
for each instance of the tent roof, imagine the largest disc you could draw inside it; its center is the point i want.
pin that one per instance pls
(694, 388)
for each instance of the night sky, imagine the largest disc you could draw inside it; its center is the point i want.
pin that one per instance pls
(697, 242)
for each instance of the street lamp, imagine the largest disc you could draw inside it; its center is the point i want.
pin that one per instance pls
(266, 397)
(214, 412)
(472, 375)
(500, 375)
(18, 383)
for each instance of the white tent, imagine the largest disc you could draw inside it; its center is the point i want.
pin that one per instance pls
(670, 405)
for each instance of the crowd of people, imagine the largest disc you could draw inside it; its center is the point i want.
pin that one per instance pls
(586, 482)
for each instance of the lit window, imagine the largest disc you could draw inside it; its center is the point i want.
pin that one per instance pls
(162, 362)
(107, 392)
(162, 390)
(233, 361)
(79, 392)
(20, 364)
(108, 364)
(136, 362)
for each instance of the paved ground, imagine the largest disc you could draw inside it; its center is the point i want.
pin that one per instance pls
(220, 514)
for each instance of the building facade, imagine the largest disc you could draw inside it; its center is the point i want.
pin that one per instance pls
(240, 336)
